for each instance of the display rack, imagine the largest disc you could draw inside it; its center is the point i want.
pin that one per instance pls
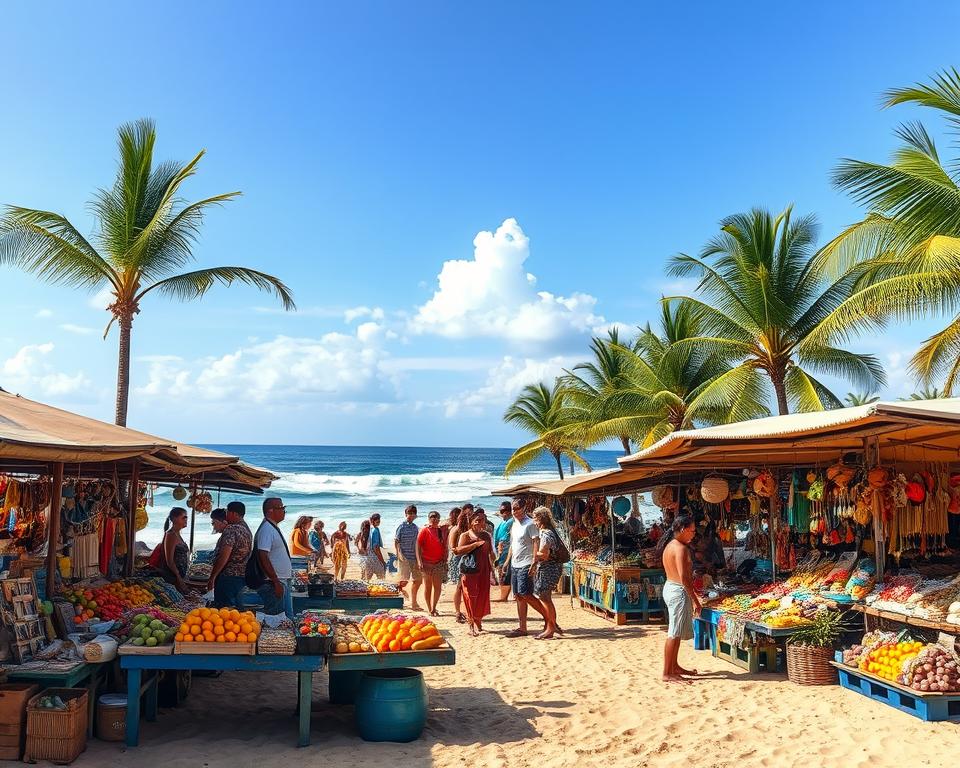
(624, 595)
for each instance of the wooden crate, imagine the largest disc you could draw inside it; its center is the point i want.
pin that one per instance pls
(215, 649)
(128, 649)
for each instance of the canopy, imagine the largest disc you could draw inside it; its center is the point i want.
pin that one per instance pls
(573, 484)
(911, 431)
(33, 435)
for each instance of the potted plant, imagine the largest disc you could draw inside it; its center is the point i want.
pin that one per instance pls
(810, 650)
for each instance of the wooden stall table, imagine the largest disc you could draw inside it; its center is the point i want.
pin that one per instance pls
(346, 668)
(619, 595)
(85, 674)
(136, 666)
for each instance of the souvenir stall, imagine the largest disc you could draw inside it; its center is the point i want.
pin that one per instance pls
(863, 518)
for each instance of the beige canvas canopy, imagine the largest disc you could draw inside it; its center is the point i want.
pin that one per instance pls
(34, 436)
(912, 431)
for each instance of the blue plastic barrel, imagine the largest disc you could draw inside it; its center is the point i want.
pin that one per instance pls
(391, 705)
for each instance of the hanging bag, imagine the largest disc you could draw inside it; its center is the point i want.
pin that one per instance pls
(253, 575)
(559, 554)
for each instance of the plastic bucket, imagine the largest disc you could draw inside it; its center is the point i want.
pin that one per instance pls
(391, 705)
(112, 717)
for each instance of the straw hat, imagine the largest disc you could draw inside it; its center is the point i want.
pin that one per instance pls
(662, 496)
(714, 489)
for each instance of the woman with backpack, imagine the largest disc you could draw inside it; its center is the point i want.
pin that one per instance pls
(548, 566)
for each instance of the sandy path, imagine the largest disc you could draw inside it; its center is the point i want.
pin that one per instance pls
(593, 699)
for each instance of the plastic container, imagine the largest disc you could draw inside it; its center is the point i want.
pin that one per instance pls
(112, 717)
(320, 591)
(391, 705)
(314, 646)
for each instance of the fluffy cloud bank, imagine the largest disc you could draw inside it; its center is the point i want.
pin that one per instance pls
(503, 384)
(334, 368)
(30, 373)
(492, 295)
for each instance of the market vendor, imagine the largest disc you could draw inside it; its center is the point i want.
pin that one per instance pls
(174, 553)
(230, 559)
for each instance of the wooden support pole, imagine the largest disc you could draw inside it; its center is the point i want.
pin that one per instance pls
(53, 528)
(133, 494)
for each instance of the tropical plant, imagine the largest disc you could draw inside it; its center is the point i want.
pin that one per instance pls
(909, 242)
(145, 233)
(927, 393)
(824, 631)
(761, 303)
(661, 384)
(860, 398)
(540, 410)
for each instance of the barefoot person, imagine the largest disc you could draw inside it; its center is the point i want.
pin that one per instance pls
(524, 539)
(430, 560)
(476, 568)
(678, 594)
(547, 569)
(341, 551)
(461, 524)
(405, 544)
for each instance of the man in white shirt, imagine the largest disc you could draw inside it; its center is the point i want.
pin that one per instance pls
(274, 557)
(524, 541)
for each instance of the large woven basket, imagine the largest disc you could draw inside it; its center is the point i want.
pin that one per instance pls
(808, 665)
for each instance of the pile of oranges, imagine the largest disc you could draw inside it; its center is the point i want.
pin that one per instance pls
(397, 633)
(226, 625)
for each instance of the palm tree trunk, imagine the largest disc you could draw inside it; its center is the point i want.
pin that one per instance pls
(777, 379)
(125, 321)
(625, 441)
(559, 464)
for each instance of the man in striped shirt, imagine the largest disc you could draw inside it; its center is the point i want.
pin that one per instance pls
(405, 543)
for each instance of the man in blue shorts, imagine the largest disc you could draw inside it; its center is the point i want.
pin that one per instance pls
(524, 539)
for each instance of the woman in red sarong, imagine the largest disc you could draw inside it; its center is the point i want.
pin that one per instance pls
(476, 586)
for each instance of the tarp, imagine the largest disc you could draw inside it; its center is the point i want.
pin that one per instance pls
(910, 431)
(35, 432)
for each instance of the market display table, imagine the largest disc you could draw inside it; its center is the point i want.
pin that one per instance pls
(346, 668)
(85, 673)
(624, 594)
(302, 602)
(762, 657)
(135, 666)
(929, 707)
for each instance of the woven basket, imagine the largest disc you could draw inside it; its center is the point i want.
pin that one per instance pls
(808, 665)
(58, 723)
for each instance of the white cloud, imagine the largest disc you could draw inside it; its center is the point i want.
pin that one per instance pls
(43, 313)
(80, 330)
(30, 372)
(356, 313)
(504, 382)
(101, 299)
(493, 295)
(335, 368)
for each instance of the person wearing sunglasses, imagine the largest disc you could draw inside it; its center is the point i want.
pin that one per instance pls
(274, 558)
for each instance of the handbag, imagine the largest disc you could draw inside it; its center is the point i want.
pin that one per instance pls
(253, 575)
(560, 554)
(469, 564)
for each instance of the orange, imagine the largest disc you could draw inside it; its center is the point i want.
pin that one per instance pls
(208, 636)
(218, 631)
(206, 626)
(394, 645)
(220, 639)
(241, 638)
(204, 613)
(231, 638)
(198, 639)
(248, 616)
(230, 626)
(244, 627)
(252, 637)
(185, 629)
(224, 613)
(195, 630)
(178, 637)
(216, 620)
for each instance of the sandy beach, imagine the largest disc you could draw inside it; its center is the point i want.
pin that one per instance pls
(592, 699)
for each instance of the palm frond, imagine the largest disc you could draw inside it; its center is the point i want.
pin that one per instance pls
(193, 285)
(524, 456)
(807, 394)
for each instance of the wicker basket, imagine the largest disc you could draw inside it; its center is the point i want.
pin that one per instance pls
(809, 665)
(57, 735)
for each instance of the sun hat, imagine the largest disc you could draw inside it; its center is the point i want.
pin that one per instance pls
(714, 489)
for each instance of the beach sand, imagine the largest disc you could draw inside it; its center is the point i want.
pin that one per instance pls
(592, 699)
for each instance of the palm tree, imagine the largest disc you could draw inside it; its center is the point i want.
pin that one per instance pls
(927, 393)
(860, 398)
(540, 410)
(909, 242)
(761, 303)
(662, 384)
(145, 233)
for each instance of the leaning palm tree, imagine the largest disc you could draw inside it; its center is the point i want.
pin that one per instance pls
(662, 384)
(909, 242)
(145, 233)
(860, 398)
(540, 410)
(761, 302)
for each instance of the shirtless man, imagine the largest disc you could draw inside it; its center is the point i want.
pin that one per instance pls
(678, 595)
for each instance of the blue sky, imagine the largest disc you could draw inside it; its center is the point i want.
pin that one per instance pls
(374, 141)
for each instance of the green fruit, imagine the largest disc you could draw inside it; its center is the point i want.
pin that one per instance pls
(145, 633)
(151, 641)
(156, 624)
(138, 641)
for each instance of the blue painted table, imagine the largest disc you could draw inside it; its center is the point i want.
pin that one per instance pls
(135, 666)
(347, 668)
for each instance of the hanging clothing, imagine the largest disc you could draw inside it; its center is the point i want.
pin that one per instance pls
(106, 544)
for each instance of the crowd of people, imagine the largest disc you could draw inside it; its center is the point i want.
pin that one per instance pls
(467, 552)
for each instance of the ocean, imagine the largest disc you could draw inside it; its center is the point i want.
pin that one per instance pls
(349, 483)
